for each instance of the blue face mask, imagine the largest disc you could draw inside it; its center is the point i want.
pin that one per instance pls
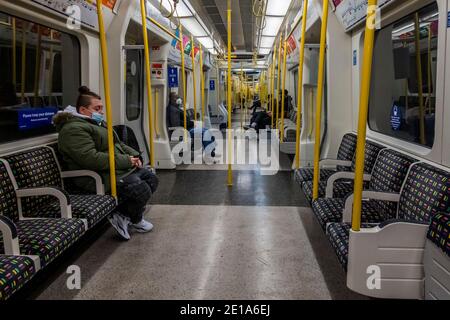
(98, 117)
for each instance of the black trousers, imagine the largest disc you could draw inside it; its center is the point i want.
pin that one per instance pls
(134, 193)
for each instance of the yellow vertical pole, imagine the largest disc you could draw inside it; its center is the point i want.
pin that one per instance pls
(105, 64)
(283, 94)
(229, 101)
(183, 77)
(300, 84)
(218, 83)
(278, 83)
(14, 52)
(241, 96)
(202, 83)
(37, 70)
(319, 101)
(194, 77)
(273, 84)
(156, 112)
(148, 82)
(24, 62)
(363, 111)
(420, 81)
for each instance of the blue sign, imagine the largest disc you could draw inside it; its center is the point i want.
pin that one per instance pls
(448, 20)
(212, 85)
(173, 77)
(355, 57)
(33, 118)
(396, 118)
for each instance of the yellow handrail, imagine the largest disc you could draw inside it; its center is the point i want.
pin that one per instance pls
(283, 94)
(148, 82)
(420, 81)
(278, 83)
(273, 84)
(202, 83)
(229, 101)
(156, 23)
(183, 77)
(241, 96)
(156, 112)
(105, 64)
(319, 100)
(300, 84)
(363, 111)
(194, 77)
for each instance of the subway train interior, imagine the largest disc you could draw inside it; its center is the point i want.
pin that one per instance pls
(224, 150)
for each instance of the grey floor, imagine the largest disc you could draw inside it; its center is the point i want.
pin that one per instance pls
(257, 240)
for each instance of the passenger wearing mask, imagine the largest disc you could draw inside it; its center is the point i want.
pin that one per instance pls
(175, 114)
(83, 143)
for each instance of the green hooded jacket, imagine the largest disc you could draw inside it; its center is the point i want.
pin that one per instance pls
(83, 145)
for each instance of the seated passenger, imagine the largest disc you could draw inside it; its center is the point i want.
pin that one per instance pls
(260, 119)
(83, 143)
(174, 116)
(207, 138)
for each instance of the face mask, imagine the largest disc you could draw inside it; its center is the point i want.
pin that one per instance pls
(98, 117)
(179, 102)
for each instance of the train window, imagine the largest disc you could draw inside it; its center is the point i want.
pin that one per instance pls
(397, 105)
(134, 83)
(40, 70)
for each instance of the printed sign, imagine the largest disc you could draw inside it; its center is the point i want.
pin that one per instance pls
(355, 57)
(396, 118)
(173, 77)
(212, 85)
(448, 20)
(32, 118)
(157, 71)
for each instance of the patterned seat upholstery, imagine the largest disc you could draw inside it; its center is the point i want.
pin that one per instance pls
(15, 272)
(439, 232)
(371, 155)
(39, 168)
(346, 152)
(46, 238)
(388, 176)
(340, 190)
(423, 196)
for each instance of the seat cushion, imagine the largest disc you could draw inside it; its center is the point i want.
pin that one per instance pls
(47, 238)
(339, 235)
(307, 174)
(15, 271)
(331, 210)
(340, 189)
(91, 207)
(439, 232)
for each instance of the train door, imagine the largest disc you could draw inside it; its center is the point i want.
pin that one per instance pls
(134, 97)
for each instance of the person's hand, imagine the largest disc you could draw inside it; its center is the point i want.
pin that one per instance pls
(136, 162)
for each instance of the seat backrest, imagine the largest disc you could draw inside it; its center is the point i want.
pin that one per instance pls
(425, 193)
(388, 175)
(370, 156)
(32, 169)
(8, 199)
(127, 136)
(439, 231)
(346, 149)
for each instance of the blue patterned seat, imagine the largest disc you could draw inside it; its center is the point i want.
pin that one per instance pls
(424, 195)
(46, 238)
(15, 272)
(39, 168)
(388, 176)
(371, 155)
(346, 152)
(340, 189)
(439, 232)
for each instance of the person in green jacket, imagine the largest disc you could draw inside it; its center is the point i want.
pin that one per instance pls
(83, 144)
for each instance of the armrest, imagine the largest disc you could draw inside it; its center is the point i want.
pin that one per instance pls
(334, 163)
(10, 237)
(394, 221)
(348, 210)
(86, 173)
(339, 176)
(61, 195)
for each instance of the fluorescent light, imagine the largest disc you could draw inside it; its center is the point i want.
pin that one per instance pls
(267, 42)
(192, 25)
(273, 25)
(264, 50)
(182, 9)
(206, 42)
(277, 8)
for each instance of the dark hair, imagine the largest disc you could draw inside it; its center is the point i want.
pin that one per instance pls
(85, 97)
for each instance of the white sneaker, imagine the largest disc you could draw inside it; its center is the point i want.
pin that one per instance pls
(120, 223)
(142, 227)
